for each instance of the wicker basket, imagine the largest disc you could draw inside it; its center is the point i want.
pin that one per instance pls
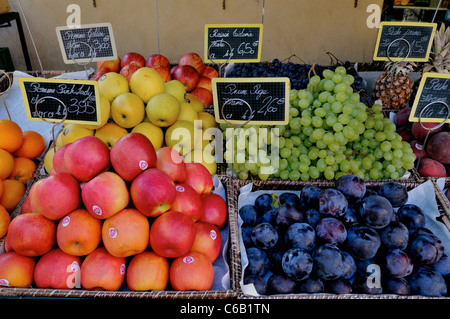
(443, 207)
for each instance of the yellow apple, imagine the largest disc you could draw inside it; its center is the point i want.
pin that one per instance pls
(176, 88)
(154, 133)
(112, 84)
(180, 136)
(128, 110)
(105, 112)
(110, 133)
(146, 83)
(163, 109)
(72, 132)
(195, 101)
(187, 112)
(59, 142)
(207, 120)
(48, 159)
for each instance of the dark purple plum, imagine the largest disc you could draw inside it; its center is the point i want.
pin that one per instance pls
(376, 211)
(394, 192)
(353, 187)
(258, 282)
(269, 216)
(248, 214)
(286, 215)
(397, 263)
(370, 192)
(276, 258)
(263, 203)
(288, 197)
(398, 286)
(331, 230)
(264, 236)
(350, 216)
(310, 286)
(339, 286)
(332, 203)
(349, 266)
(367, 284)
(258, 262)
(300, 235)
(309, 197)
(426, 249)
(297, 264)
(246, 232)
(395, 236)
(427, 282)
(362, 241)
(411, 215)
(279, 284)
(312, 217)
(442, 266)
(329, 262)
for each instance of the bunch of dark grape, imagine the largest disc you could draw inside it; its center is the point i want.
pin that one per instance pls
(341, 240)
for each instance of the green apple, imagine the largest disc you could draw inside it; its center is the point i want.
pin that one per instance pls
(163, 109)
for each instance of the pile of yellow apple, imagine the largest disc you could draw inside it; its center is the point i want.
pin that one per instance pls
(147, 104)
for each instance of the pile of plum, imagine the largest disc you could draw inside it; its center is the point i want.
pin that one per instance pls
(347, 239)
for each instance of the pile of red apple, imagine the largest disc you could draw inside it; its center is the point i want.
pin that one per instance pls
(190, 70)
(105, 218)
(435, 160)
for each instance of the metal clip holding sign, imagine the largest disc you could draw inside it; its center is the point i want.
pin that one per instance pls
(429, 129)
(396, 62)
(235, 126)
(220, 66)
(55, 123)
(91, 53)
(7, 89)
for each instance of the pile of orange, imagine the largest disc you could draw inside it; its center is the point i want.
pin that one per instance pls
(18, 149)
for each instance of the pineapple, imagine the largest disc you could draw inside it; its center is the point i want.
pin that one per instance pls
(440, 56)
(394, 87)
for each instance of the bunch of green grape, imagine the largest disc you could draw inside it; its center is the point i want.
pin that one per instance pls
(330, 134)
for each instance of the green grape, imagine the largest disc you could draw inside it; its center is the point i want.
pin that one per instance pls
(323, 97)
(318, 134)
(347, 109)
(328, 74)
(339, 157)
(330, 159)
(369, 123)
(337, 78)
(320, 112)
(395, 175)
(284, 174)
(285, 152)
(304, 158)
(328, 138)
(321, 165)
(282, 164)
(296, 140)
(336, 107)
(321, 144)
(380, 136)
(303, 103)
(343, 119)
(374, 174)
(313, 172)
(388, 156)
(295, 152)
(397, 154)
(288, 143)
(329, 173)
(317, 103)
(243, 175)
(303, 167)
(361, 116)
(334, 147)
(348, 79)
(313, 153)
(331, 120)
(390, 168)
(344, 166)
(366, 163)
(337, 127)
(295, 123)
(293, 94)
(396, 144)
(340, 88)
(340, 70)
(293, 111)
(385, 146)
(323, 154)
(314, 80)
(295, 165)
(304, 176)
(316, 121)
(302, 94)
(307, 130)
(294, 175)
(305, 120)
(328, 85)
(341, 96)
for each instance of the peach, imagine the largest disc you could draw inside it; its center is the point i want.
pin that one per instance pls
(430, 168)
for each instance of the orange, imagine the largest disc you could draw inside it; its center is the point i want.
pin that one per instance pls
(6, 164)
(32, 146)
(23, 170)
(5, 219)
(1, 188)
(11, 135)
(13, 192)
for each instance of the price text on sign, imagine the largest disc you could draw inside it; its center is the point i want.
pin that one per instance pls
(89, 43)
(79, 97)
(233, 42)
(268, 99)
(433, 87)
(419, 35)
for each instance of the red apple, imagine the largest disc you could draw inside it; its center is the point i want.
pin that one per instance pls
(57, 269)
(79, 233)
(209, 72)
(173, 69)
(192, 59)
(192, 271)
(29, 204)
(16, 270)
(128, 70)
(148, 271)
(214, 209)
(438, 147)
(204, 82)
(417, 148)
(126, 233)
(102, 271)
(187, 75)
(57, 195)
(153, 192)
(132, 154)
(32, 234)
(109, 66)
(430, 168)
(164, 72)
(419, 132)
(105, 195)
(204, 95)
(171, 162)
(208, 240)
(86, 157)
(132, 58)
(58, 160)
(157, 59)
(402, 117)
(172, 234)
(97, 75)
(198, 177)
(187, 202)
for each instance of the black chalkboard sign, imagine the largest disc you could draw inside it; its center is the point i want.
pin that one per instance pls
(261, 101)
(233, 42)
(434, 87)
(89, 43)
(403, 37)
(78, 96)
